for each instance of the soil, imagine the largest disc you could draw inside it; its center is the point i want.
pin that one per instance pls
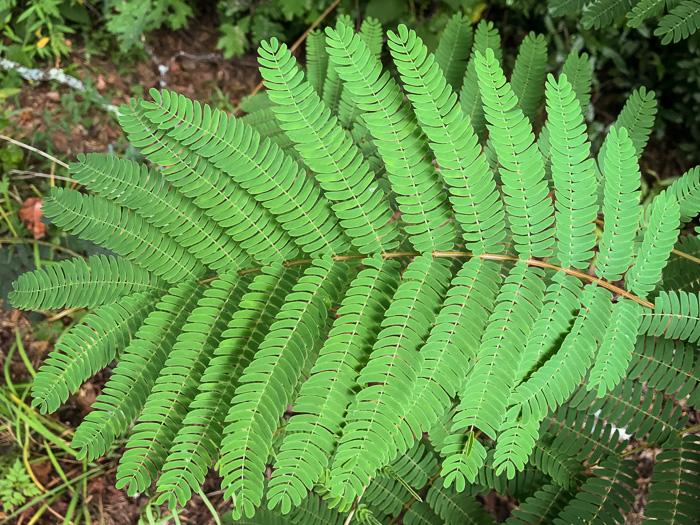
(202, 78)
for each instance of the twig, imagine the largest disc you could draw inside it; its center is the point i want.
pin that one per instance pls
(296, 44)
(35, 150)
(29, 174)
(485, 256)
(55, 75)
(12, 240)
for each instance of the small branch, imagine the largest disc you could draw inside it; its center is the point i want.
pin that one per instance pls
(485, 256)
(29, 174)
(355, 504)
(12, 240)
(54, 75)
(35, 150)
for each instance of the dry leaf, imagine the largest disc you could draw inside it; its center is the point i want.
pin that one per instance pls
(101, 85)
(30, 214)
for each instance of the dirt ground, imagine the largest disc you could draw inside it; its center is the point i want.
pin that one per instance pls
(199, 76)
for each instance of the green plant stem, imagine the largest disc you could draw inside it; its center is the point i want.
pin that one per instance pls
(23, 354)
(209, 506)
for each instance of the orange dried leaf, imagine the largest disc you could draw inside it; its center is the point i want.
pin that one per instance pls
(30, 214)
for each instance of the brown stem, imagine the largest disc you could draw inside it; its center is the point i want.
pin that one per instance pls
(486, 256)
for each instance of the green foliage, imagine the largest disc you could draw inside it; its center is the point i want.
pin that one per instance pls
(16, 486)
(129, 21)
(300, 295)
(677, 20)
(36, 29)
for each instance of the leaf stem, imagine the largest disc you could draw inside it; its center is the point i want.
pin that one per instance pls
(485, 256)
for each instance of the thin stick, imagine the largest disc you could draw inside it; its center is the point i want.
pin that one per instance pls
(485, 256)
(29, 174)
(296, 44)
(32, 148)
(12, 240)
(686, 256)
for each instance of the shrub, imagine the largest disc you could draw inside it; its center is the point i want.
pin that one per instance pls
(678, 19)
(396, 303)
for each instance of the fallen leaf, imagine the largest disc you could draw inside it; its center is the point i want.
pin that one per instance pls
(41, 43)
(101, 85)
(30, 214)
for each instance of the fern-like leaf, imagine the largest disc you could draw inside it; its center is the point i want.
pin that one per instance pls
(198, 440)
(604, 497)
(579, 72)
(620, 206)
(667, 367)
(575, 434)
(676, 315)
(681, 22)
(176, 386)
(683, 274)
(328, 150)
(637, 117)
(528, 208)
(456, 508)
(484, 394)
(372, 35)
(573, 176)
(630, 407)
(244, 220)
(556, 380)
(398, 140)
(474, 198)
(325, 396)
(127, 389)
(453, 343)
(542, 507)
(388, 378)
(529, 74)
(76, 283)
(602, 13)
(261, 168)
(146, 193)
(561, 305)
(268, 383)
(643, 10)
(486, 37)
(453, 49)
(616, 349)
(675, 483)
(687, 191)
(316, 60)
(95, 219)
(659, 239)
(88, 348)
